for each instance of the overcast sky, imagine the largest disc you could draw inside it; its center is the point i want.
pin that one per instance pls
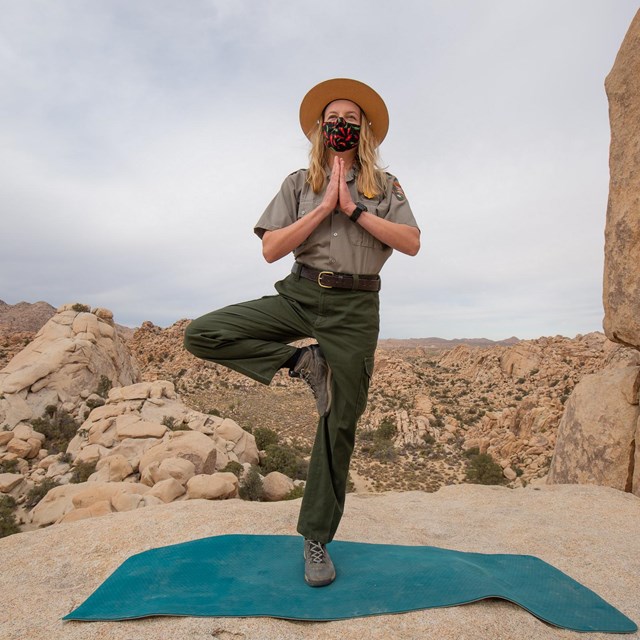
(140, 140)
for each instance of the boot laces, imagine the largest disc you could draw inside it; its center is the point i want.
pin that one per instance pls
(316, 552)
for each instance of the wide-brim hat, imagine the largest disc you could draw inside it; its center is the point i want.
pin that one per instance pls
(364, 96)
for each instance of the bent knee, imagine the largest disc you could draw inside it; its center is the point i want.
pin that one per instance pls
(195, 338)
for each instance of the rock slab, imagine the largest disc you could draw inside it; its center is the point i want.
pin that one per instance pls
(621, 295)
(597, 436)
(585, 531)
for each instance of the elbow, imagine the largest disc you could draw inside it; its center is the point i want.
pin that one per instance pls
(268, 252)
(413, 246)
(413, 249)
(269, 256)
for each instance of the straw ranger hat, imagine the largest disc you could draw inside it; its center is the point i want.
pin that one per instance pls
(365, 97)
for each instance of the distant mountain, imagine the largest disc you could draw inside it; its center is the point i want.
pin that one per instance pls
(442, 343)
(25, 316)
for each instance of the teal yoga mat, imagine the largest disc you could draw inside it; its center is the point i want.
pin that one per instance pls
(246, 575)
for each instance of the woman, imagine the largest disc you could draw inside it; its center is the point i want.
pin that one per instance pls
(342, 217)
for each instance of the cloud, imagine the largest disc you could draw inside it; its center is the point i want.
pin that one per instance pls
(141, 141)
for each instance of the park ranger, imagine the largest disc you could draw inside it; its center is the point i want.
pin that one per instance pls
(341, 218)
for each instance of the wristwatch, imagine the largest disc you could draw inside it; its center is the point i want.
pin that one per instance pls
(357, 211)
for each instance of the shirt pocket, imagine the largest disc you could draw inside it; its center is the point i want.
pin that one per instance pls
(306, 205)
(358, 236)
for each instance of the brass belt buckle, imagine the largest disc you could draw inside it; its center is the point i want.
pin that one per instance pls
(324, 286)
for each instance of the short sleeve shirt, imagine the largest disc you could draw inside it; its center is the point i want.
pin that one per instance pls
(337, 244)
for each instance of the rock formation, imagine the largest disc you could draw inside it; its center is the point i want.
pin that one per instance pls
(599, 436)
(64, 365)
(622, 231)
(25, 316)
(148, 448)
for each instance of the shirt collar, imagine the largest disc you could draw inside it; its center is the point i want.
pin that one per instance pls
(351, 174)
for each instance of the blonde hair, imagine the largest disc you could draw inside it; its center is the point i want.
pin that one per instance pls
(370, 180)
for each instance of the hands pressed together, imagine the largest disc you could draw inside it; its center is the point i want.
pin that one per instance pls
(337, 194)
(280, 242)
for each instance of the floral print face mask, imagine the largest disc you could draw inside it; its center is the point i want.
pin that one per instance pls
(340, 135)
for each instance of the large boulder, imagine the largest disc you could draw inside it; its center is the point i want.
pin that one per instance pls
(113, 468)
(64, 364)
(622, 232)
(218, 486)
(57, 503)
(93, 492)
(176, 468)
(239, 445)
(189, 445)
(596, 441)
(276, 486)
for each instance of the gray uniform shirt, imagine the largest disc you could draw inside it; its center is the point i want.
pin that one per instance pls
(337, 244)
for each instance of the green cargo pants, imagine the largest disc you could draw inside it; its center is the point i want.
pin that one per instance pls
(252, 338)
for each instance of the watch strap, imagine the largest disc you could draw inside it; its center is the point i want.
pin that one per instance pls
(357, 211)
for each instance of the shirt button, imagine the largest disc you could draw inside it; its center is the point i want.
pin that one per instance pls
(332, 260)
(335, 235)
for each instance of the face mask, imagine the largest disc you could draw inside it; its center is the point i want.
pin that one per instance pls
(340, 135)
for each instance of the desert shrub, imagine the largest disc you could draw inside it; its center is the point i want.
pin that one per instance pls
(383, 450)
(214, 412)
(366, 436)
(8, 466)
(234, 467)
(295, 493)
(82, 471)
(379, 443)
(386, 430)
(482, 469)
(265, 437)
(39, 491)
(93, 403)
(104, 386)
(8, 523)
(58, 427)
(428, 439)
(251, 486)
(286, 460)
(173, 424)
(81, 308)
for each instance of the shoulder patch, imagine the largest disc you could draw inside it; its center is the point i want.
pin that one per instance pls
(293, 173)
(397, 190)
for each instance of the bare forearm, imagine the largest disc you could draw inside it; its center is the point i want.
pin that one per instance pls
(398, 236)
(280, 242)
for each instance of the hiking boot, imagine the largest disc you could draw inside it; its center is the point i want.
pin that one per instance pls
(314, 370)
(318, 568)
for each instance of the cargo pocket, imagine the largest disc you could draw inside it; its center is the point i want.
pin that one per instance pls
(365, 379)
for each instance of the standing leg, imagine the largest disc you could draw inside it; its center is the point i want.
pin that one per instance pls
(348, 336)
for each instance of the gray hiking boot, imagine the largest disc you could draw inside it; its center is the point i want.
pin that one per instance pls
(318, 568)
(314, 370)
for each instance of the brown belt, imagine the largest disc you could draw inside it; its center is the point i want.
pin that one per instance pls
(331, 280)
